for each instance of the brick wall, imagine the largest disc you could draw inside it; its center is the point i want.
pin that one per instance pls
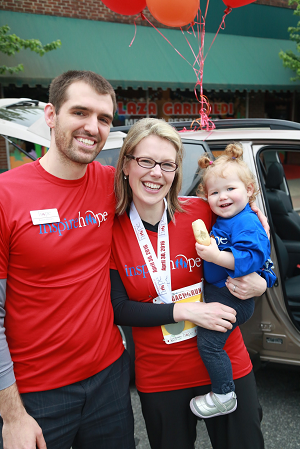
(91, 9)
(3, 159)
(80, 9)
(279, 3)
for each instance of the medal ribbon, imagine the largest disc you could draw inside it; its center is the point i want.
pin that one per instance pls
(158, 266)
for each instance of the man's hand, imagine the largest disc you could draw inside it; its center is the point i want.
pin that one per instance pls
(23, 433)
(20, 430)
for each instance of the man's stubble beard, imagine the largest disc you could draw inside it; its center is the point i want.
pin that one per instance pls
(69, 153)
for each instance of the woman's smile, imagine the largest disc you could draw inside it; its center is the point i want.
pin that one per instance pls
(150, 185)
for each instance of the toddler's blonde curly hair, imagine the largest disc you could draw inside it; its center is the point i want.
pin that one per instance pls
(231, 159)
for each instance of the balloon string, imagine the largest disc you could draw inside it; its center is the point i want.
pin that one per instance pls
(204, 122)
(191, 48)
(205, 109)
(221, 27)
(145, 18)
(135, 27)
(207, 3)
(134, 34)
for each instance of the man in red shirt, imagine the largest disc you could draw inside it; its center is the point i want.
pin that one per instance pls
(64, 375)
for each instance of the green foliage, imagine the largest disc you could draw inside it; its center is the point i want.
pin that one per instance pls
(289, 58)
(11, 44)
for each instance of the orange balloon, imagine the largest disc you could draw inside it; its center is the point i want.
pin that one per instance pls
(174, 13)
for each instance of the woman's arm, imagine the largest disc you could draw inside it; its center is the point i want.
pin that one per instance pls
(133, 313)
(213, 316)
(247, 286)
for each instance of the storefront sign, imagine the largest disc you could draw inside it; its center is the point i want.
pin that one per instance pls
(140, 108)
(131, 110)
(194, 108)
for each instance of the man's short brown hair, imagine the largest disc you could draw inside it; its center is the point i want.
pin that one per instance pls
(60, 84)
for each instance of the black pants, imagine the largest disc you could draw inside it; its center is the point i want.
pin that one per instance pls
(171, 424)
(95, 413)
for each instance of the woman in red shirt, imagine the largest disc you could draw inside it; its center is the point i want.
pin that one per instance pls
(157, 287)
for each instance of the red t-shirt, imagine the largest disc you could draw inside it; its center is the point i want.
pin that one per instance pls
(59, 318)
(160, 366)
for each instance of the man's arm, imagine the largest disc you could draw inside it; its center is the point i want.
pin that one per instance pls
(20, 430)
(7, 376)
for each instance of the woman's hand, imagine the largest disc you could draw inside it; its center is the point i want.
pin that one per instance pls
(247, 286)
(213, 316)
(262, 218)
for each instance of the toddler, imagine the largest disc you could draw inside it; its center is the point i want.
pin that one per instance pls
(239, 246)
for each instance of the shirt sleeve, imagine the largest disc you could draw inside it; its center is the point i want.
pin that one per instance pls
(268, 274)
(250, 251)
(7, 377)
(4, 244)
(133, 313)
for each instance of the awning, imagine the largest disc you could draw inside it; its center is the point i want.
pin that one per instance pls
(233, 63)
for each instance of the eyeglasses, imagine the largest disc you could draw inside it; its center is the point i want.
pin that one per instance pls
(147, 162)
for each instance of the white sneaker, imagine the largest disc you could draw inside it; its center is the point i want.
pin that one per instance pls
(202, 409)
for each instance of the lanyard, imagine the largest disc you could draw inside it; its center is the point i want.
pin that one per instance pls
(158, 267)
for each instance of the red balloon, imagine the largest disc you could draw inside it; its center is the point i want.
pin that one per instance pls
(174, 13)
(125, 7)
(237, 3)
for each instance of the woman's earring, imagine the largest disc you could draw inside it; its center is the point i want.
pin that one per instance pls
(125, 177)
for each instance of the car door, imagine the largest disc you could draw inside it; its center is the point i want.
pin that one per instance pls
(274, 329)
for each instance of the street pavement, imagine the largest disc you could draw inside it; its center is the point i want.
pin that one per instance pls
(279, 394)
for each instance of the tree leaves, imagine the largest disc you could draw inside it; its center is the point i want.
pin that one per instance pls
(10, 44)
(289, 59)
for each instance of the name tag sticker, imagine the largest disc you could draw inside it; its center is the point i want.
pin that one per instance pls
(44, 216)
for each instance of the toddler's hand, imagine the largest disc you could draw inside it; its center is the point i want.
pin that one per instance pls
(209, 253)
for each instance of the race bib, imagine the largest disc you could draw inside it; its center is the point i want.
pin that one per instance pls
(176, 332)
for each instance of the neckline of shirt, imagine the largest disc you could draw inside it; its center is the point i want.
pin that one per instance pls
(59, 181)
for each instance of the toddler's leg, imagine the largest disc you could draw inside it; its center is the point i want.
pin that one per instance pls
(222, 400)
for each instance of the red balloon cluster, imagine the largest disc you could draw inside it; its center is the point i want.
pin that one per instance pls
(173, 13)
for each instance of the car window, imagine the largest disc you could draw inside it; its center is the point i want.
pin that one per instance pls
(292, 174)
(193, 150)
(289, 159)
(22, 116)
(17, 158)
(108, 157)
